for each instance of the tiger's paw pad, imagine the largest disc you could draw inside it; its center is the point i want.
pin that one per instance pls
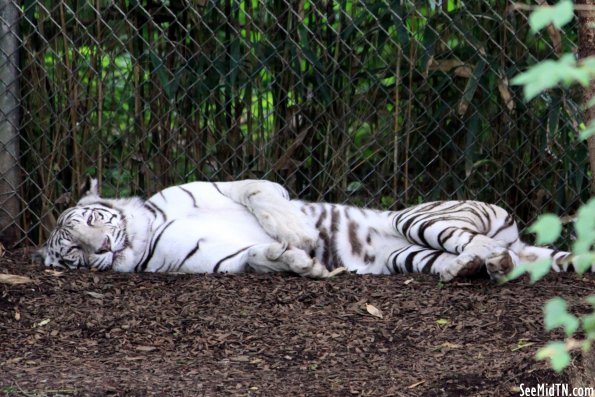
(499, 264)
(464, 265)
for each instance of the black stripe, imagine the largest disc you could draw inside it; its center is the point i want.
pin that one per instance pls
(428, 266)
(441, 239)
(191, 196)
(322, 217)
(395, 255)
(217, 188)
(249, 196)
(189, 254)
(216, 268)
(473, 235)
(150, 209)
(143, 266)
(155, 208)
(336, 260)
(422, 231)
(507, 223)
(103, 203)
(409, 260)
(326, 245)
(486, 220)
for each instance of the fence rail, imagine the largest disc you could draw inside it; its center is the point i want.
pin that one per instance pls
(376, 103)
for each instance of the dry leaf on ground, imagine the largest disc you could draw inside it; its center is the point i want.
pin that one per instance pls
(13, 279)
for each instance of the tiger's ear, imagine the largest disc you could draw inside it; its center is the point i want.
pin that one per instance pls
(90, 189)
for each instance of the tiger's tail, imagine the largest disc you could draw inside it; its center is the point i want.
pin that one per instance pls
(562, 261)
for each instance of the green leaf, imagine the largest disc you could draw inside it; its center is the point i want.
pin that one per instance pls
(354, 187)
(547, 227)
(587, 132)
(160, 69)
(558, 15)
(583, 262)
(516, 272)
(556, 353)
(585, 219)
(550, 73)
(471, 87)
(539, 269)
(556, 315)
(589, 325)
(585, 228)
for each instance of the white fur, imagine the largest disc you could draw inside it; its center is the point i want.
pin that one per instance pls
(252, 225)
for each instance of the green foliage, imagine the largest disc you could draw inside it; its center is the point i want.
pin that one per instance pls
(558, 15)
(548, 227)
(557, 353)
(550, 73)
(556, 315)
(536, 270)
(587, 132)
(585, 228)
(397, 102)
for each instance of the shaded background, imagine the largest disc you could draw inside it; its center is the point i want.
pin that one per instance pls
(374, 103)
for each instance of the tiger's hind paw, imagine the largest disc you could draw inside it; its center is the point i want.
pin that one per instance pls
(463, 265)
(499, 264)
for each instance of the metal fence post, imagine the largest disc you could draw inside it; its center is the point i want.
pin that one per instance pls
(9, 123)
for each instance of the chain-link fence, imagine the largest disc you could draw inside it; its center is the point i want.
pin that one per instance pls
(376, 103)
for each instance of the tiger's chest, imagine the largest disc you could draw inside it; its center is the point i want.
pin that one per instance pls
(196, 243)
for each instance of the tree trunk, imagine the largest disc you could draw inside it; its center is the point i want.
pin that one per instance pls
(9, 123)
(586, 48)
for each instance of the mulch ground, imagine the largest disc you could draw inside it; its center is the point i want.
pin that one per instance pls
(81, 333)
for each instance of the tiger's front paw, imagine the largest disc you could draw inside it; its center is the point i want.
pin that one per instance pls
(288, 229)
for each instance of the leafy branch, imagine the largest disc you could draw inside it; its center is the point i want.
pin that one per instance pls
(539, 78)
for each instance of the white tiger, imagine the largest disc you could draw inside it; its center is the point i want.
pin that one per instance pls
(204, 227)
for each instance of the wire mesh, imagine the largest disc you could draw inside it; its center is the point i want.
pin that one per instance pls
(374, 103)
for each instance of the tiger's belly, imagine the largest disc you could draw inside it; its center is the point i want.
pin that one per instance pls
(217, 240)
(211, 241)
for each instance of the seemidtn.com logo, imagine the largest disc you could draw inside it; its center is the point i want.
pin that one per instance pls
(555, 390)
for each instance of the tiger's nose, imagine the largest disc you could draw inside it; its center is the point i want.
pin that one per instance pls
(106, 246)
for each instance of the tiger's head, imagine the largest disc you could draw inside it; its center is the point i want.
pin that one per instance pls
(89, 235)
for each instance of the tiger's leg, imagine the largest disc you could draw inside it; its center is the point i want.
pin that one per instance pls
(477, 233)
(418, 259)
(278, 257)
(497, 260)
(269, 203)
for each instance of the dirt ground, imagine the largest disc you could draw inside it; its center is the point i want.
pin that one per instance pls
(81, 333)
